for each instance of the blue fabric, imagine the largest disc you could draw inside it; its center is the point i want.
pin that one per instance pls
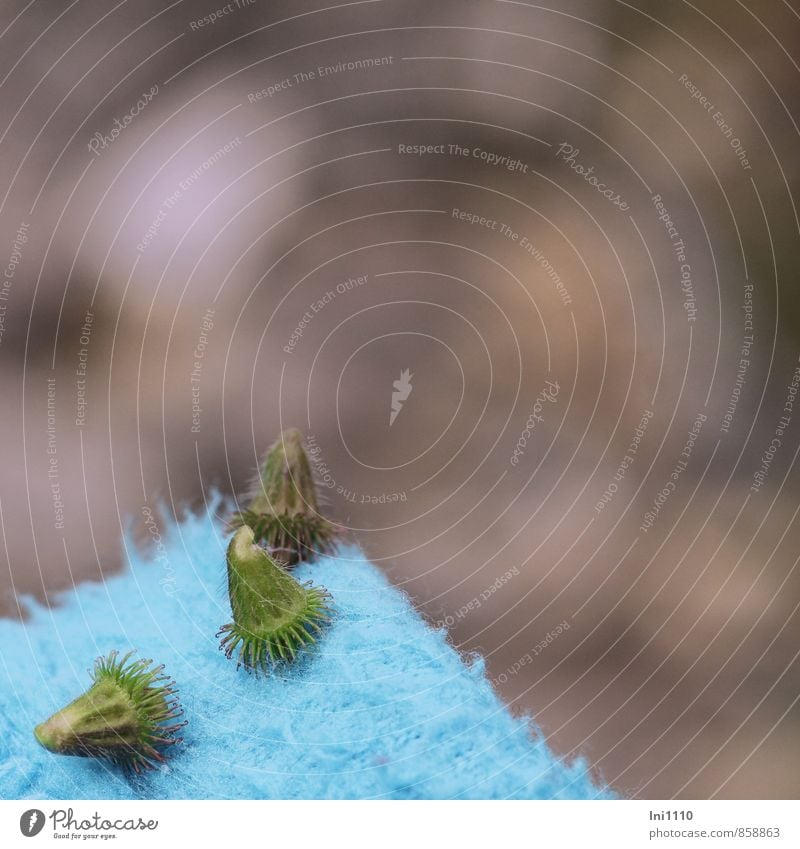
(384, 707)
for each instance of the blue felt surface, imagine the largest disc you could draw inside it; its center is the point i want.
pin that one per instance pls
(385, 707)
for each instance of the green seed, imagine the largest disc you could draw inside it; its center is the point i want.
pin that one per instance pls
(274, 615)
(127, 716)
(284, 513)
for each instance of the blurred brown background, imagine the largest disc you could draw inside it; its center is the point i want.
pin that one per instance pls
(184, 189)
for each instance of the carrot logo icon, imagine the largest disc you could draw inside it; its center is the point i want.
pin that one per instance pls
(31, 822)
(402, 389)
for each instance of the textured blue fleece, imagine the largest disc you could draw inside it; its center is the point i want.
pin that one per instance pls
(385, 707)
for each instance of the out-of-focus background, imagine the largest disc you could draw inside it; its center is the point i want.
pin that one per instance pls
(564, 236)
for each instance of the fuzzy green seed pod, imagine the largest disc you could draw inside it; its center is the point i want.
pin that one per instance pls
(127, 716)
(284, 513)
(274, 615)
